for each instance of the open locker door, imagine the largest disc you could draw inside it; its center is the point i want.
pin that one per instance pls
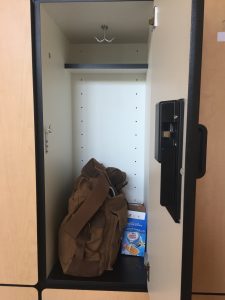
(175, 64)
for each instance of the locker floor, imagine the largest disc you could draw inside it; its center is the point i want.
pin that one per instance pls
(129, 273)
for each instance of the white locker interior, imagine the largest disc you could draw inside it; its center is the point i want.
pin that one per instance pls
(109, 113)
(98, 113)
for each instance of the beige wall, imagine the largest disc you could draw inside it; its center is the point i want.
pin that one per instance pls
(103, 54)
(57, 110)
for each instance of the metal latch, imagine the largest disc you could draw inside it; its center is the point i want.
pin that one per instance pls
(154, 21)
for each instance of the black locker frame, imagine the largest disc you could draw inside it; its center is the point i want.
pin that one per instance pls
(191, 148)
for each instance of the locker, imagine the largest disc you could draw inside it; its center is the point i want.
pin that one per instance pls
(207, 297)
(75, 87)
(50, 294)
(18, 230)
(17, 146)
(209, 242)
(82, 85)
(99, 101)
(18, 293)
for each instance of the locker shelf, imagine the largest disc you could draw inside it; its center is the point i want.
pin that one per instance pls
(107, 68)
(129, 274)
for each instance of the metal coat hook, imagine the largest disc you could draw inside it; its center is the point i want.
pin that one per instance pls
(104, 39)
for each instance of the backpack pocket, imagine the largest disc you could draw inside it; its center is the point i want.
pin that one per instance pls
(115, 242)
(118, 221)
(66, 248)
(96, 237)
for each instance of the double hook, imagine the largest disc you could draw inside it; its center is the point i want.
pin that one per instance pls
(104, 39)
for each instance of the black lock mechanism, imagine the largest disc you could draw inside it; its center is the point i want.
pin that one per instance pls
(168, 151)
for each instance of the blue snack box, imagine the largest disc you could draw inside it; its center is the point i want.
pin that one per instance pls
(134, 237)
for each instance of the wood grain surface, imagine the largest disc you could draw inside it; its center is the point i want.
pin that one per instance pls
(18, 251)
(209, 249)
(18, 293)
(51, 294)
(207, 297)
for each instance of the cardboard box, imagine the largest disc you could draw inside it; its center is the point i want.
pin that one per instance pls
(134, 237)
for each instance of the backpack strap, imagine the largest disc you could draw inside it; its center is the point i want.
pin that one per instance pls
(93, 202)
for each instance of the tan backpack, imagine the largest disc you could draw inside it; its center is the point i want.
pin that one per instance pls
(90, 235)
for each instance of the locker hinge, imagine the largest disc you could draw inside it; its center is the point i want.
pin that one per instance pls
(46, 135)
(147, 266)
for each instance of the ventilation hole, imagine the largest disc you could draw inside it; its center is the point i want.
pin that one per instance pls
(82, 160)
(81, 121)
(136, 94)
(136, 121)
(135, 174)
(135, 134)
(136, 79)
(49, 55)
(135, 148)
(82, 147)
(81, 94)
(135, 187)
(135, 161)
(81, 134)
(81, 107)
(136, 107)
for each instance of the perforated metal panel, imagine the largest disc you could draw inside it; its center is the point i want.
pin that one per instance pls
(109, 125)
